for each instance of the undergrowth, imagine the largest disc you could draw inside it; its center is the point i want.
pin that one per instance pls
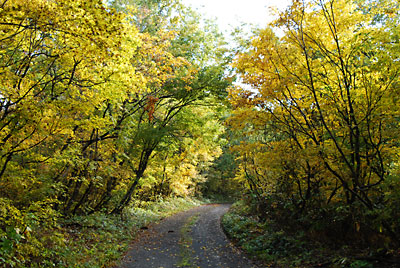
(259, 240)
(101, 240)
(275, 246)
(96, 240)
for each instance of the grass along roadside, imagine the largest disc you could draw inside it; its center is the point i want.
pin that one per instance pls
(100, 240)
(186, 242)
(261, 241)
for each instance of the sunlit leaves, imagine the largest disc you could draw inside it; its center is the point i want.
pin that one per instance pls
(94, 99)
(324, 104)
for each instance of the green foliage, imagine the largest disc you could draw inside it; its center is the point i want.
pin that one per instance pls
(261, 240)
(102, 105)
(220, 183)
(95, 240)
(100, 240)
(186, 242)
(109, 108)
(360, 264)
(276, 244)
(31, 236)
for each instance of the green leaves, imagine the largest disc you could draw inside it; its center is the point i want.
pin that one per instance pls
(92, 101)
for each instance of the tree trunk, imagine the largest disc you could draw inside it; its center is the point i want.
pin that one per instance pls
(128, 196)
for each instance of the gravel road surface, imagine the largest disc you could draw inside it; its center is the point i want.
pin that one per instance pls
(189, 239)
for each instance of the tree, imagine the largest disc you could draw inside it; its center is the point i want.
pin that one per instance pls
(58, 61)
(326, 89)
(185, 74)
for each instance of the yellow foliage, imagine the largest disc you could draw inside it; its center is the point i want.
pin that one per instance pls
(323, 101)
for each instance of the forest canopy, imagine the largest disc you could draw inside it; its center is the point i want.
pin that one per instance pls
(318, 133)
(101, 104)
(106, 105)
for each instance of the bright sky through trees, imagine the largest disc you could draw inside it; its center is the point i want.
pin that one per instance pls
(231, 13)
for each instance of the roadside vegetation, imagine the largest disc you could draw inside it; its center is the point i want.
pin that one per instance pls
(316, 140)
(275, 243)
(114, 114)
(107, 108)
(99, 239)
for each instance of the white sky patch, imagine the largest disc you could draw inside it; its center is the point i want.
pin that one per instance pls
(232, 13)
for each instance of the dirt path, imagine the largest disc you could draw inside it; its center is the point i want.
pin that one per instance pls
(189, 239)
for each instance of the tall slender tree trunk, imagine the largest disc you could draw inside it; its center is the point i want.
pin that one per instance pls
(128, 196)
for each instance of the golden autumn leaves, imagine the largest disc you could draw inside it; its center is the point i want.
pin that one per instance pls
(88, 101)
(321, 119)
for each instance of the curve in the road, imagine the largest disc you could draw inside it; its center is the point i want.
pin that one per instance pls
(190, 239)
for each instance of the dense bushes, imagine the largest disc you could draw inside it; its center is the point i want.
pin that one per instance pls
(96, 240)
(294, 242)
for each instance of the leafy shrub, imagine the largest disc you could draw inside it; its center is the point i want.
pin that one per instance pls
(277, 244)
(39, 237)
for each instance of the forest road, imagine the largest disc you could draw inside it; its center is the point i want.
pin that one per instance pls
(192, 239)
